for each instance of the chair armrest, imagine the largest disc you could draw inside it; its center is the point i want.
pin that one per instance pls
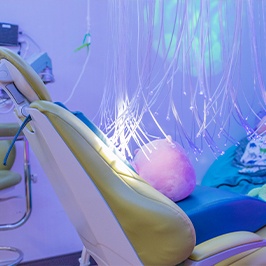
(8, 130)
(225, 246)
(8, 179)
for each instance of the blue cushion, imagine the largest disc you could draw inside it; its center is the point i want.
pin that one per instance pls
(214, 212)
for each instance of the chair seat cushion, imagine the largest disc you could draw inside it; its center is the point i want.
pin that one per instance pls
(8, 179)
(214, 212)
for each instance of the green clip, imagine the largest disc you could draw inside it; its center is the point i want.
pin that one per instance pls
(86, 42)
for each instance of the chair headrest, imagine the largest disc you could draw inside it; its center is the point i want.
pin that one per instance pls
(26, 80)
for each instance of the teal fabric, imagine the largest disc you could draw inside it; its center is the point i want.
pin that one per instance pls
(224, 174)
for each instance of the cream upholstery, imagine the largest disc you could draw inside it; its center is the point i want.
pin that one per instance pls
(148, 219)
(25, 78)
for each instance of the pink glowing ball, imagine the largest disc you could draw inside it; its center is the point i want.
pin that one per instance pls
(165, 166)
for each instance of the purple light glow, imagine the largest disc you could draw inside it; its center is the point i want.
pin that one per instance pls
(197, 67)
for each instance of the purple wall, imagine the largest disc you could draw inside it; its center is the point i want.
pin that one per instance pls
(58, 27)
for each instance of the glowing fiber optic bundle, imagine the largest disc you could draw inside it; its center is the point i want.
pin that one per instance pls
(197, 63)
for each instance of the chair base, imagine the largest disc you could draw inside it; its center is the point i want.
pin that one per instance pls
(13, 256)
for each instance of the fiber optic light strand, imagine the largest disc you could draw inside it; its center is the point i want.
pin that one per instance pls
(187, 55)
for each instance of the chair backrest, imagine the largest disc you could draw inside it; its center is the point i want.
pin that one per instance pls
(120, 218)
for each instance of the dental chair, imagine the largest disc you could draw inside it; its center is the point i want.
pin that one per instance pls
(120, 219)
(9, 180)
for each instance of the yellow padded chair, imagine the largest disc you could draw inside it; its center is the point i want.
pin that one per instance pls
(9, 179)
(120, 219)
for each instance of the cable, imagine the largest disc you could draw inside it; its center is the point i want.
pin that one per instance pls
(79, 78)
(86, 43)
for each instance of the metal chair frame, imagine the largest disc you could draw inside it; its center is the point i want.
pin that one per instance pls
(28, 199)
(27, 183)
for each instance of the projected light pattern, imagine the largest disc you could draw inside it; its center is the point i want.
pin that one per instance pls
(197, 63)
(213, 26)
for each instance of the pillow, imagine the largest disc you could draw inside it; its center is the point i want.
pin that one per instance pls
(164, 164)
